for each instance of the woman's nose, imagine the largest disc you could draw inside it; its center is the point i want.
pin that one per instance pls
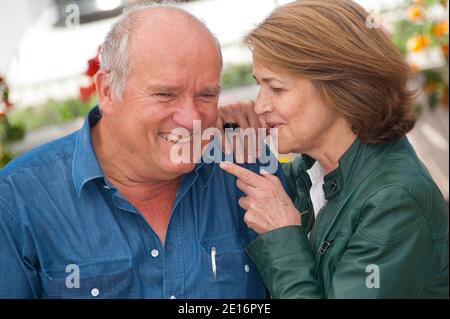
(262, 104)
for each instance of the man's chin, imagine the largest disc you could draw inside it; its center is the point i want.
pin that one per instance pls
(179, 168)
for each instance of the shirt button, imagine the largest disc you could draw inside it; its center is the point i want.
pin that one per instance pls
(333, 185)
(155, 253)
(173, 297)
(246, 268)
(95, 292)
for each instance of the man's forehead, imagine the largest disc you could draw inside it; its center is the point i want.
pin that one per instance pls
(173, 53)
(165, 21)
(168, 27)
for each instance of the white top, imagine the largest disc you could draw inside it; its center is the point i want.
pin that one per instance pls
(316, 174)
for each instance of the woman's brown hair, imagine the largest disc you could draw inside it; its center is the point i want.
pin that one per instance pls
(357, 69)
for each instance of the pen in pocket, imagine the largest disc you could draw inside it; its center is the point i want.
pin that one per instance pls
(213, 262)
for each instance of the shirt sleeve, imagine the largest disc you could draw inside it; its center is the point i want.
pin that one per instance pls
(18, 278)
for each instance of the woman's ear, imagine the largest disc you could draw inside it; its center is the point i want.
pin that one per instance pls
(104, 92)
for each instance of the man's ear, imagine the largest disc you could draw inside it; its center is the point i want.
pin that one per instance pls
(104, 92)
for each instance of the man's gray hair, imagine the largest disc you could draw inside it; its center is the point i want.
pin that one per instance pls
(114, 57)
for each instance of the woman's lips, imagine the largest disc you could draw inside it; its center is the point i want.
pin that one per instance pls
(272, 125)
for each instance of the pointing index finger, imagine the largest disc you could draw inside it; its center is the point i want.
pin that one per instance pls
(243, 174)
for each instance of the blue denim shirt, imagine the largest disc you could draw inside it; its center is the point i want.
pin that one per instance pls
(59, 218)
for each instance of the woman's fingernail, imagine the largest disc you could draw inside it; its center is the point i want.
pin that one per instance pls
(223, 164)
(264, 172)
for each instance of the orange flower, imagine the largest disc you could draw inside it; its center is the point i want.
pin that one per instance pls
(415, 13)
(414, 68)
(2, 115)
(417, 43)
(440, 29)
(431, 88)
(444, 49)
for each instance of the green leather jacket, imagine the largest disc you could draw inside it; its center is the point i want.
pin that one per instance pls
(382, 234)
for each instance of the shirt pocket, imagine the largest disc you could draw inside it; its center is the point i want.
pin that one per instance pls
(97, 280)
(228, 271)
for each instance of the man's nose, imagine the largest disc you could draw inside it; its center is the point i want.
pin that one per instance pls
(186, 115)
(262, 104)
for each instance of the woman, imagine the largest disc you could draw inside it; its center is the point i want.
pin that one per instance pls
(366, 219)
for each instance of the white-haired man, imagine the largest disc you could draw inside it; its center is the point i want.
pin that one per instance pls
(104, 212)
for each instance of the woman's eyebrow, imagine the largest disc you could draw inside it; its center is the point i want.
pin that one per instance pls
(268, 80)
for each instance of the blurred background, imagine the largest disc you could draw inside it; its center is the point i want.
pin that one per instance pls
(49, 53)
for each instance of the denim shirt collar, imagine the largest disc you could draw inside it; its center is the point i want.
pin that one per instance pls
(85, 166)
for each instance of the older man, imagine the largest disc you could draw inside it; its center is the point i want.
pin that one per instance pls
(104, 212)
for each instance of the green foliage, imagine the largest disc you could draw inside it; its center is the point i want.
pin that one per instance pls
(8, 133)
(5, 157)
(420, 30)
(237, 75)
(57, 112)
(51, 112)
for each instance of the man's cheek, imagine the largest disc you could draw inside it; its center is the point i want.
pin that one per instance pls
(209, 119)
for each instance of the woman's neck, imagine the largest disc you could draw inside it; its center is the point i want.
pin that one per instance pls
(334, 144)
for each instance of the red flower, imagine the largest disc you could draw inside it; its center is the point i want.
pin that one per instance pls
(8, 104)
(86, 92)
(93, 66)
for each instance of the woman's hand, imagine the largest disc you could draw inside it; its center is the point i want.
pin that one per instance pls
(267, 205)
(241, 113)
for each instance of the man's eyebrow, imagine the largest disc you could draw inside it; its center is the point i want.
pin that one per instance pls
(212, 90)
(162, 88)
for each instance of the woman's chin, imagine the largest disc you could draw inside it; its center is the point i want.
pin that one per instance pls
(285, 149)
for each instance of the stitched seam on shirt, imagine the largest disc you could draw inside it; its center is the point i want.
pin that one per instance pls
(24, 169)
(43, 163)
(8, 212)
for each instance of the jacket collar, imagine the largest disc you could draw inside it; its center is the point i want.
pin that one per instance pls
(353, 166)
